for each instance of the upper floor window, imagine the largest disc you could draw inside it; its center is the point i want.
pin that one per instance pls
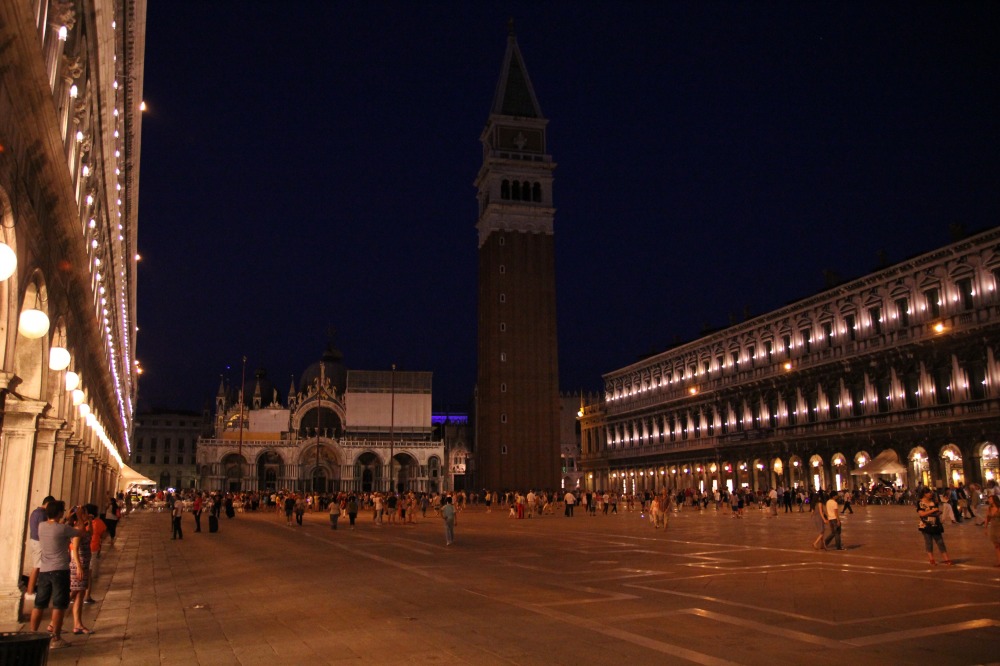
(786, 342)
(875, 314)
(851, 324)
(965, 293)
(828, 333)
(806, 339)
(933, 298)
(903, 311)
(769, 350)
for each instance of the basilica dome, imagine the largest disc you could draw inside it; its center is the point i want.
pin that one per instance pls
(267, 389)
(333, 368)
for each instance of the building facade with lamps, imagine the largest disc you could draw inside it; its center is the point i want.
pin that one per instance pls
(340, 430)
(893, 377)
(70, 124)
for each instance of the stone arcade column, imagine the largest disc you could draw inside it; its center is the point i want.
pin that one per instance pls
(59, 461)
(17, 444)
(42, 472)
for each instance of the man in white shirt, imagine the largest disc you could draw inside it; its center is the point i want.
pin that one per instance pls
(833, 518)
(570, 500)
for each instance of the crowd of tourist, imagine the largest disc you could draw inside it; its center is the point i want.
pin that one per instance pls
(66, 543)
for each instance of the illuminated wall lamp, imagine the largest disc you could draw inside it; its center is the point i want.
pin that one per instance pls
(33, 324)
(8, 261)
(72, 381)
(84, 409)
(77, 397)
(58, 358)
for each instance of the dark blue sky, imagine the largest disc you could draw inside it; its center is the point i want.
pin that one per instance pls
(308, 164)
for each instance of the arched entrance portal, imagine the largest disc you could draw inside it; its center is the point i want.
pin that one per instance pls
(406, 472)
(368, 469)
(320, 468)
(990, 462)
(952, 466)
(319, 480)
(233, 466)
(268, 468)
(920, 466)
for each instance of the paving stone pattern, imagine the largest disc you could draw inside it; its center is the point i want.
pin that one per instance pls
(552, 590)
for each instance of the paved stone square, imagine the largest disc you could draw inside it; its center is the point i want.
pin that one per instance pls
(588, 590)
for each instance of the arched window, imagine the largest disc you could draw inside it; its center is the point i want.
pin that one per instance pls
(536, 193)
(515, 191)
(505, 189)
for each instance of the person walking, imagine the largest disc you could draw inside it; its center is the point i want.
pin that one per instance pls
(352, 509)
(931, 526)
(819, 520)
(97, 531)
(448, 514)
(300, 510)
(79, 568)
(196, 512)
(175, 518)
(993, 523)
(111, 516)
(848, 498)
(833, 520)
(570, 500)
(334, 512)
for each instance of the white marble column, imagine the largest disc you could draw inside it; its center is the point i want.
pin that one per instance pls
(17, 443)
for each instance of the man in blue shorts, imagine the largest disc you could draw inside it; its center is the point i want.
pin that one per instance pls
(53, 577)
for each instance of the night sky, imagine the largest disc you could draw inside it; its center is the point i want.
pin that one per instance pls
(310, 165)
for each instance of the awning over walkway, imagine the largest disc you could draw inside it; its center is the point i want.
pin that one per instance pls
(130, 477)
(886, 462)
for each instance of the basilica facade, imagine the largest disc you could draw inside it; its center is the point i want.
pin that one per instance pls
(340, 430)
(894, 377)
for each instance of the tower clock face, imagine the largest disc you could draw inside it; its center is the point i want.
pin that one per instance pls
(520, 139)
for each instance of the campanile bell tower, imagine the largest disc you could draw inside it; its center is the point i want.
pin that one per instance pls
(517, 409)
